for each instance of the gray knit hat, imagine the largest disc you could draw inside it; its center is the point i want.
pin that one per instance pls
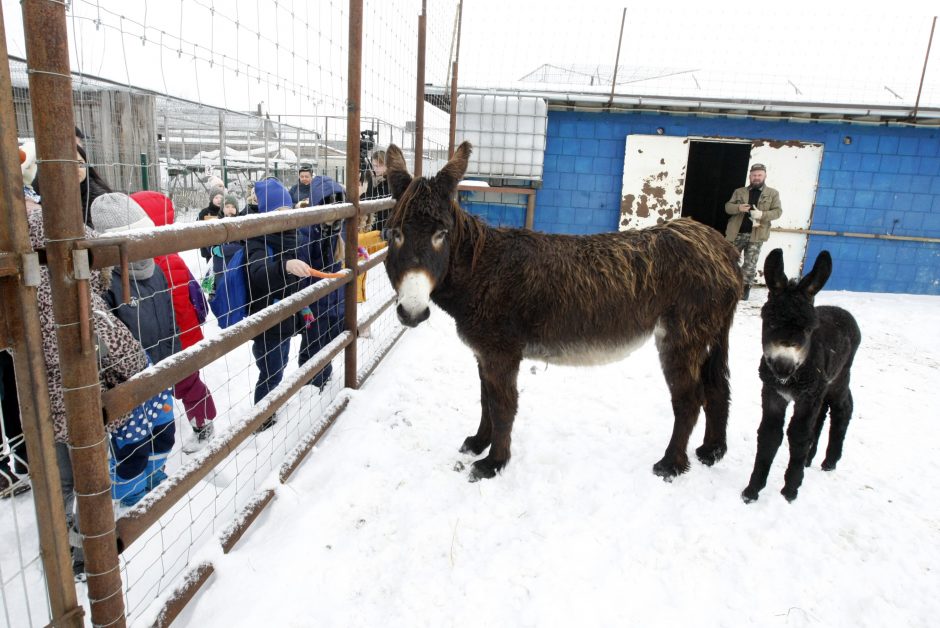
(118, 212)
(217, 189)
(230, 199)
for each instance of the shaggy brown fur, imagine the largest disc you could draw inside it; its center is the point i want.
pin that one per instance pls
(572, 300)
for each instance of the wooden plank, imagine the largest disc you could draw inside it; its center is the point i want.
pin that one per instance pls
(297, 455)
(182, 595)
(248, 515)
(499, 190)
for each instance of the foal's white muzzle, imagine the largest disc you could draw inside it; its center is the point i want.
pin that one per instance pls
(783, 360)
(414, 297)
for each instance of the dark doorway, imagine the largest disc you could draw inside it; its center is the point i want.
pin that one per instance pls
(715, 170)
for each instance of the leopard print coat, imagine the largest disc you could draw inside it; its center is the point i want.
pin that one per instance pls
(119, 354)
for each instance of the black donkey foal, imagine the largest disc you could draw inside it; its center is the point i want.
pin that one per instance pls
(808, 353)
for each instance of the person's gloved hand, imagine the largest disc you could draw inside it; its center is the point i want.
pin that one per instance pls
(297, 267)
(307, 313)
(217, 250)
(756, 214)
(208, 283)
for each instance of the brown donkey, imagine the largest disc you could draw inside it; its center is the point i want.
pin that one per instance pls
(574, 300)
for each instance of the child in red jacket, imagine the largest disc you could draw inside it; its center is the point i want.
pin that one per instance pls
(189, 306)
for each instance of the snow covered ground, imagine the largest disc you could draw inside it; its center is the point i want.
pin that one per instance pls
(376, 527)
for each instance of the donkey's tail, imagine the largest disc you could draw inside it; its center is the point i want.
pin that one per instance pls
(715, 373)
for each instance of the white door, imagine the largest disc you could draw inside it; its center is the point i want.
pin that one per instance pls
(792, 170)
(653, 180)
(654, 173)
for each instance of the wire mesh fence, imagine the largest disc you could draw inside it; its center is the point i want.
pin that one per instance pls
(22, 586)
(190, 113)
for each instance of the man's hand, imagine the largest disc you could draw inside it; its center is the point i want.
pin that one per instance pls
(297, 268)
(756, 214)
(744, 208)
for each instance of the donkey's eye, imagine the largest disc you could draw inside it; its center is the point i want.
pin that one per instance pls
(437, 240)
(394, 236)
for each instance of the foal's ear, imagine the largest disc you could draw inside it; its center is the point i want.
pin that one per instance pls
(773, 271)
(450, 175)
(816, 279)
(397, 171)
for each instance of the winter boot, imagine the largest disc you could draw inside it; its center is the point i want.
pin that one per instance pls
(267, 424)
(204, 434)
(78, 564)
(12, 485)
(746, 293)
(154, 470)
(128, 491)
(200, 438)
(321, 379)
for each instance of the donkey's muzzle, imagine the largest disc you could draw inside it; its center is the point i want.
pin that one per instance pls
(409, 319)
(782, 368)
(783, 360)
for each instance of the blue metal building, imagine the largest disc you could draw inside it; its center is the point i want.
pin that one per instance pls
(874, 203)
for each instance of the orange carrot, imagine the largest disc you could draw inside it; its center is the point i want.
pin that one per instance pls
(322, 275)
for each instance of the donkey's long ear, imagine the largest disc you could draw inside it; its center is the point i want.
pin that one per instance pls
(397, 171)
(817, 278)
(773, 271)
(450, 175)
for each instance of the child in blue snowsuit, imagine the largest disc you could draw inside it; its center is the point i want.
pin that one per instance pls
(317, 247)
(140, 448)
(274, 273)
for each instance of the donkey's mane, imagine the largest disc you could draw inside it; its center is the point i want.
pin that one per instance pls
(468, 229)
(403, 207)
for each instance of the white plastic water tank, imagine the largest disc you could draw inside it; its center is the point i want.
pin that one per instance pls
(507, 133)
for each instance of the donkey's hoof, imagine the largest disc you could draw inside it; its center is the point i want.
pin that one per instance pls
(829, 466)
(789, 493)
(749, 495)
(474, 445)
(668, 470)
(710, 454)
(485, 469)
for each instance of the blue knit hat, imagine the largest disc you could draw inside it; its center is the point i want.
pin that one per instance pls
(272, 195)
(323, 186)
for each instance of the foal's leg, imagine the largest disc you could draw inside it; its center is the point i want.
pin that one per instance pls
(800, 436)
(500, 373)
(481, 440)
(840, 414)
(820, 420)
(769, 437)
(683, 376)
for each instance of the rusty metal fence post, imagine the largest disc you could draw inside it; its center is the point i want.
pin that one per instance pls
(24, 335)
(353, 112)
(419, 95)
(50, 83)
(452, 139)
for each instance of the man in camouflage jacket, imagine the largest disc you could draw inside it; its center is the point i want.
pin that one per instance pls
(752, 208)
